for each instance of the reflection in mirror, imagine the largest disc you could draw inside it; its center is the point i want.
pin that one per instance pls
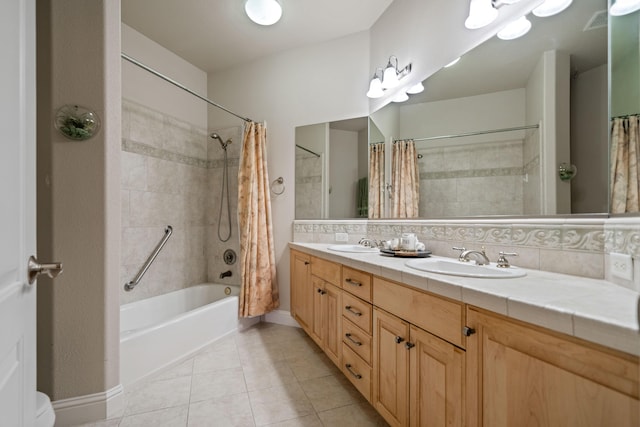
(625, 106)
(552, 85)
(331, 169)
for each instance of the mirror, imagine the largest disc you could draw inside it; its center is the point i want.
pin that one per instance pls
(492, 88)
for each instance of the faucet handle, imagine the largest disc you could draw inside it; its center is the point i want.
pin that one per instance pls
(460, 257)
(503, 262)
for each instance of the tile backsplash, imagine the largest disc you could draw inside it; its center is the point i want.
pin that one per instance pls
(562, 245)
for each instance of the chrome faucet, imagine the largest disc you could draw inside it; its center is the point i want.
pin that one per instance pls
(227, 273)
(480, 256)
(368, 243)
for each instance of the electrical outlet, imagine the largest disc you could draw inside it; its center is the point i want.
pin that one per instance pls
(621, 266)
(342, 237)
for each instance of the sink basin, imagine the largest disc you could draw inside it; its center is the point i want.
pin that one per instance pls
(457, 268)
(353, 248)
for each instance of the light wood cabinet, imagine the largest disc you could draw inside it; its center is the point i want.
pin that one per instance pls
(327, 325)
(301, 289)
(418, 378)
(519, 374)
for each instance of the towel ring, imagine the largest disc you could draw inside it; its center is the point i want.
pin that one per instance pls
(278, 181)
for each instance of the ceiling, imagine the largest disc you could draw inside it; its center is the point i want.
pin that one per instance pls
(216, 34)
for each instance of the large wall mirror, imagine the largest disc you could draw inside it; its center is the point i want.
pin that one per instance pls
(550, 85)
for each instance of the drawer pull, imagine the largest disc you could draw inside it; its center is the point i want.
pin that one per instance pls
(399, 339)
(409, 345)
(467, 331)
(352, 311)
(321, 292)
(358, 343)
(356, 376)
(353, 282)
(307, 263)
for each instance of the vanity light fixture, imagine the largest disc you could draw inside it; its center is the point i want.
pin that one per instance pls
(400, 97)
(263, 12)
(481, 14)
(416, 88)
(375, 87)
(390, 77)
(551, 7)
(515, 29)
(624, 7)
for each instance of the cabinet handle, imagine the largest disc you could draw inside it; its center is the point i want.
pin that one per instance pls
(409, 345)
(399, 339)
(358, 343)
(319, 290)
(467, 331)
(348, 366)
(353, 282)
(349, 309)
(307, 263)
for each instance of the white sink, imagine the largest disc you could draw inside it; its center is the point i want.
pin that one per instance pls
(352, 248)
(457, 268)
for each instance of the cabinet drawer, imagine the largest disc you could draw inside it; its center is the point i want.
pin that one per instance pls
(441, 317)
(358, 311)
(357, 282)
(357, 340)
(357, 371)
(327, 270)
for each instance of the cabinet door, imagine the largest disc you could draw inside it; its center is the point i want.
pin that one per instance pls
(390, 368)
(436, 381)
(331, 305)
(521, 375)
(301, 290)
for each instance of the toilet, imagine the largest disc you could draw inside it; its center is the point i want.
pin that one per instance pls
(45, 417)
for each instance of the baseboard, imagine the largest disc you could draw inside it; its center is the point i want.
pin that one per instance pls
(89, 408)
(281, 317)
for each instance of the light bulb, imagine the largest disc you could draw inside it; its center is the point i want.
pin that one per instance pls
(481, 14)
(624, 7)
(375, 88)
(551, 7)
(390, 77)
(515, 29)
(416, 88)
(263, 12)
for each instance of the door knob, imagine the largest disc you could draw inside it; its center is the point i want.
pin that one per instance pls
(52, 269)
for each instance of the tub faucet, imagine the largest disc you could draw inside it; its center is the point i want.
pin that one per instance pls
(227, 273)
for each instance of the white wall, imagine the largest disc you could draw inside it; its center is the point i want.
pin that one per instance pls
(343, 173)
(294, 88)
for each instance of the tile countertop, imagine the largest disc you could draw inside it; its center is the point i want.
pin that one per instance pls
(594, 310)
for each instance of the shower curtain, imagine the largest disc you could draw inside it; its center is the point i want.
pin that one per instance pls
(405, 180)
(259, 289)
(376, 180)
(625, 164)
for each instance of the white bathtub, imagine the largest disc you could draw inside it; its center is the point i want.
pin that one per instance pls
(162, 330)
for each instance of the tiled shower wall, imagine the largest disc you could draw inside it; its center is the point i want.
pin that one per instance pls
(308, 186)
(170, 173)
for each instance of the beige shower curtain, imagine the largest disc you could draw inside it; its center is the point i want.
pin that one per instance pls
(625, 164)
(259, 289)
(405, 180)
(376, 180)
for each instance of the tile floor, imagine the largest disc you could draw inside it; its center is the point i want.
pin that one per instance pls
(267, 375)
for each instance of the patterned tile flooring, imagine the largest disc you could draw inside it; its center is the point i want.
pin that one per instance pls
(267, 375)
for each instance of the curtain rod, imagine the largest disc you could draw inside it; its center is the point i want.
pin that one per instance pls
(626, 116)
(175, 83)
(482, 132)
(307, 150)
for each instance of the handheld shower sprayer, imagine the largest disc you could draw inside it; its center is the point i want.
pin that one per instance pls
(222, 143)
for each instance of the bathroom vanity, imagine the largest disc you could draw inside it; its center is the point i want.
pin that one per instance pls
(428, 349)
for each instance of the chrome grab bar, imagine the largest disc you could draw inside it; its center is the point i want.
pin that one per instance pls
(132, 284)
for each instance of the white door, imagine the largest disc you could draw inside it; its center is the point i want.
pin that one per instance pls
(17, 213)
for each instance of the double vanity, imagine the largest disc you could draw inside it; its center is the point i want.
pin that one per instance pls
(432, 341)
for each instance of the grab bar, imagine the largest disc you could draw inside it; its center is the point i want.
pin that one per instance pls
(132, 284)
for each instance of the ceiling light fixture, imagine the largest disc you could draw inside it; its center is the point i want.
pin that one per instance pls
(481, 14)
(515, 29)
(551, 7)
(624, 7)
(263, 12)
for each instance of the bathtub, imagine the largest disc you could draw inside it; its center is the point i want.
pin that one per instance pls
(162, 330)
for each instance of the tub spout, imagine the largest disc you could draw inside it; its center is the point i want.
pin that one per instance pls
(227, 273)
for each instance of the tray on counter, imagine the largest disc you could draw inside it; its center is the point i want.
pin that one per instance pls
(405, 254)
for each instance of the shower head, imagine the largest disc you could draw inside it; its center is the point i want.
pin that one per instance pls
(222, 143)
